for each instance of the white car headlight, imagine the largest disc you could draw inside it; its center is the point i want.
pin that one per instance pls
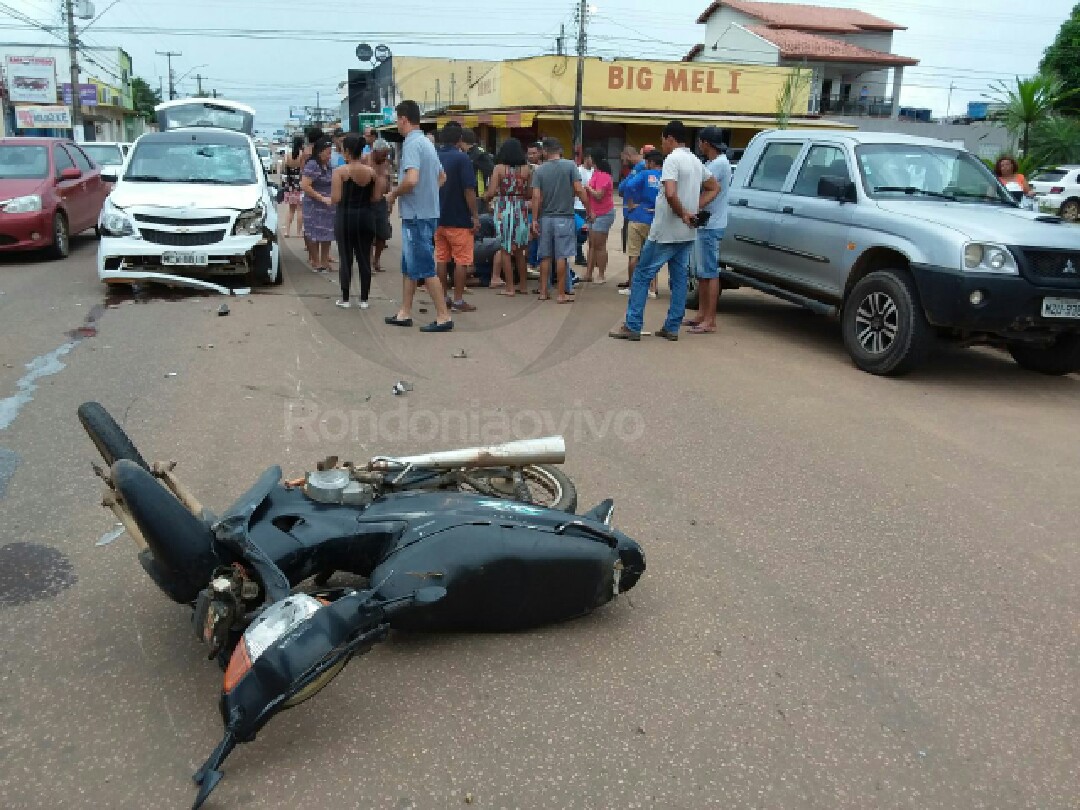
(114, 222)
(982, 257)
(250, 222)
(29, 204)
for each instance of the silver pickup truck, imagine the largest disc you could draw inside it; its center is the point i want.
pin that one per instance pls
(908, 240)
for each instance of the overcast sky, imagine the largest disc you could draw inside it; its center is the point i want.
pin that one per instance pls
(966, 43)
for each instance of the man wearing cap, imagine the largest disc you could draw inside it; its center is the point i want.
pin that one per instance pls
(707, 245)
(686, 187)
(555, 184)
(418, 189)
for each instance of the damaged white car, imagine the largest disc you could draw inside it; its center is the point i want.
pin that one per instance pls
(193, 205)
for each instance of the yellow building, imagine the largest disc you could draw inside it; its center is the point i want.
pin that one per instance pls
(623, 101)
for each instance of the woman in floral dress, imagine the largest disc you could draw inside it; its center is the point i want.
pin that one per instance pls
(318, 209)
(510, 188)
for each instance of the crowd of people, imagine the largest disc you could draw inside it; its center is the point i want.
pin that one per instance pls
(546, 215)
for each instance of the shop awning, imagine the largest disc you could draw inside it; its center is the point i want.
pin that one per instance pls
(500, 120)
(691, 119)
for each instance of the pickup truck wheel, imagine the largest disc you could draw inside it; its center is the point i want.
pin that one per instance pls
(1060, 357)
(1070, 210)
(885, 329)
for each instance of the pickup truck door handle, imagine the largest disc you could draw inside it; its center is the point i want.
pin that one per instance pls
(739, 202)
(787, 209)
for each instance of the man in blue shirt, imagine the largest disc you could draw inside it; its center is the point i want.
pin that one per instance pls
(337, 157)
(418, 190)
(639, 192)
(459, 220)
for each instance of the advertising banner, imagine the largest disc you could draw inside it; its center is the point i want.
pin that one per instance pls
(41, 117)
(87, 94)
(31, 79)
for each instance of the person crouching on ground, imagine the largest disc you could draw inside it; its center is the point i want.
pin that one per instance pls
(418, 190)
(686, 188)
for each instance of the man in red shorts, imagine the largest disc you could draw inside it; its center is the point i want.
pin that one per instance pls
(459, 220)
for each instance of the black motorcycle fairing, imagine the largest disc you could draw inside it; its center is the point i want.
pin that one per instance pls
(498, 577)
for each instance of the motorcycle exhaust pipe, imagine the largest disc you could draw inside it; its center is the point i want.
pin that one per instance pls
(548, 450)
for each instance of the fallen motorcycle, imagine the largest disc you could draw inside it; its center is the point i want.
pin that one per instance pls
(445, 541)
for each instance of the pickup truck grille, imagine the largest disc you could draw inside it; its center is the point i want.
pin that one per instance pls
(173, 239)
(1053, 264)
(179, 223)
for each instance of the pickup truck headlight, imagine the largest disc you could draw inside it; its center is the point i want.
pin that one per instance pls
(981, 257)
(114, 222)
(250, 222)
(29, 204)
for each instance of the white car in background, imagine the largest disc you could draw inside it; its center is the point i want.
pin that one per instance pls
(109, 155)
(193, 203)
(1057, 191)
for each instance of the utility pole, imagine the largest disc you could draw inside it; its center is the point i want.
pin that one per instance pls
(583, 9)
(560, 41)
(948, 105)
(198, 78)
(169, 56)
(73, 58)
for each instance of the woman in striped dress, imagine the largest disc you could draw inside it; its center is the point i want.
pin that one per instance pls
(510, 187)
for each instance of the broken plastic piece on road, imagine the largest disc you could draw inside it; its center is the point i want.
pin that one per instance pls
(111, 535)
(223, 310)
(459, 354)
(402, 387)
(170, 374)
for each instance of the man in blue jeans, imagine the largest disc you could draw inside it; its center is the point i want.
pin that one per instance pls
(685, 188)
(418, 190)
(712, 148)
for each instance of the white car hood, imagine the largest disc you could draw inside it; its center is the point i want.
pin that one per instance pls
(185, 195)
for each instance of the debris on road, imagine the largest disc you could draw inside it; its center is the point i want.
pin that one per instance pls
(459, 354)
(223, 310)
(170, 374)
(423, 310)
(109, 536)
(402, 387)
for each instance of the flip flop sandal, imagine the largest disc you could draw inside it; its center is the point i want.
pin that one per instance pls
(393, 320)
(698, 329)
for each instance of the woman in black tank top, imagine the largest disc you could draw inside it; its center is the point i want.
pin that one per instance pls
(351, 191)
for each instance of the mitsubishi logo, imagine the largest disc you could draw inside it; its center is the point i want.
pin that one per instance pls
(1069, 268)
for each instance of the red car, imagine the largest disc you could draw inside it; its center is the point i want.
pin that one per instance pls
(49, 190)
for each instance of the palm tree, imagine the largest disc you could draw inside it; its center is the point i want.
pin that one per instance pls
(791, 93)
(1056, 140)
(1028, 103)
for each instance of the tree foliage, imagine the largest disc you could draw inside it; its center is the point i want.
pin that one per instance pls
(791, 92)
(1027, 102)
(144, 97)
(1062, 59)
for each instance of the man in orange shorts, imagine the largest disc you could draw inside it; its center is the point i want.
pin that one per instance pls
(459, 220)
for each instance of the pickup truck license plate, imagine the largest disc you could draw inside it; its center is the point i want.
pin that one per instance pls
(1061, 308)
(174, 257)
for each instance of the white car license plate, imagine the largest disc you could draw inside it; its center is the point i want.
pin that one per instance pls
(1061, 308)
(174, 257)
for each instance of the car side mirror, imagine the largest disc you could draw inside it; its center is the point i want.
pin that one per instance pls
(837, 188)
(70, 173)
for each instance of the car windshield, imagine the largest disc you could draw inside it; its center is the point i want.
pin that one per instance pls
(897, 170)
(19, 162)
(191, 162)
(104, 154)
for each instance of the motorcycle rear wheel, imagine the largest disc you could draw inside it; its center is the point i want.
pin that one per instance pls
(109, 438)
(548, 486)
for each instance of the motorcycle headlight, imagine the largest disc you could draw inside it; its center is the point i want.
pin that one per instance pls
(22, 205)
(114, 222)
(981, 257)
(276, 621)
(250, 222)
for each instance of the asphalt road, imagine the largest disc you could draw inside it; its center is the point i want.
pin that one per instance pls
(861, 591)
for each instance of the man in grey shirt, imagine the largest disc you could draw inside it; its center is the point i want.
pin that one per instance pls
(555, 184)
(418, 190)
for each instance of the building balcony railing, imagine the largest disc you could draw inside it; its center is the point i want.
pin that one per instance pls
(873, 106)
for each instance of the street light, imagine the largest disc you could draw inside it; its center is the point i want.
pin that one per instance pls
(189, 73)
